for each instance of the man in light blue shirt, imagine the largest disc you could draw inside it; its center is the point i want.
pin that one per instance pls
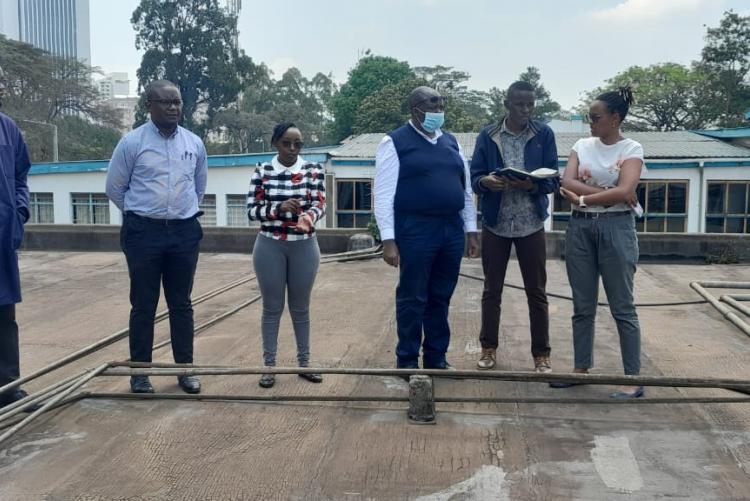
(157, 178)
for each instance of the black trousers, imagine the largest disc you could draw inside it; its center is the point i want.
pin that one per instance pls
(165, 253)
(532, 259)
(9, 364)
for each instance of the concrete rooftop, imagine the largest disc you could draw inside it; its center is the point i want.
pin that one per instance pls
(116, 449)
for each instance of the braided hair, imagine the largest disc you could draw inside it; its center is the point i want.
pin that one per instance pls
(280, 129)
(618, 101)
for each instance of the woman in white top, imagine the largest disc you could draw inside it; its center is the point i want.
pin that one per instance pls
(600, 181)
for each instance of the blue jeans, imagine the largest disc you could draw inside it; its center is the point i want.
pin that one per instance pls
(430, 250)
(606, 247)
(161, 254)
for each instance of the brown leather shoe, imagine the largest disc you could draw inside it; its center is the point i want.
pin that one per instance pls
(542, 364)
(487, 360)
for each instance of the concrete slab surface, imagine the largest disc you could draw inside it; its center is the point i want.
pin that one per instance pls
(118, 449)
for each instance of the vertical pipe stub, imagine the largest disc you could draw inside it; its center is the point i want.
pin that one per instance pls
(421, 400)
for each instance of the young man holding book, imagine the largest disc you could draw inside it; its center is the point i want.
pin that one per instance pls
(514, 208)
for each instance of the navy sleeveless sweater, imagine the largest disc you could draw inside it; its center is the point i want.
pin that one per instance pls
(431, 177)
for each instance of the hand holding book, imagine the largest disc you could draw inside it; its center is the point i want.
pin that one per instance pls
(513, 173)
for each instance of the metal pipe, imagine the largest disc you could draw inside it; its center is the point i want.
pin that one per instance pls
(739, 297)
(250, 398)
(80, 382)
(735, 304)
(113, 338)
(378, 398)
(212, 321)
(17, 407)
(117, 369)
(723, 285)
(728, 314)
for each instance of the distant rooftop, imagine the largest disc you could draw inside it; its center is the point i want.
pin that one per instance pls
(657, 145)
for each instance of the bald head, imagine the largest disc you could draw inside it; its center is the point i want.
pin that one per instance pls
(422, 94)
(154, 87)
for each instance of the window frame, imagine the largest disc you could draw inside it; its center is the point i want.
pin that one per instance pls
(725, 215)
(93, 201)
(35, 206)
(354, 212)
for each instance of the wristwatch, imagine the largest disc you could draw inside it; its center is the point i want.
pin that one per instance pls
(581, 203)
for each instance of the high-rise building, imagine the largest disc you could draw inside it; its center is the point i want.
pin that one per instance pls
(114, 85)
(61, 27)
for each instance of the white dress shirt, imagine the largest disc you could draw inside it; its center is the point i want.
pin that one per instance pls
(386, 179)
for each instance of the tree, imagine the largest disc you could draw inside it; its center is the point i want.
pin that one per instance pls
(43, 90)
(191, 43)
(387, 108)
(726, 60)
(370, 75)
(668, 96)
(266, 102)
(544, 109)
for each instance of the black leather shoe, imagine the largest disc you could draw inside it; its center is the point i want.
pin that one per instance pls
(14, 396)
(189, 384)
(267, 381)
(313, 378)
(140, 384)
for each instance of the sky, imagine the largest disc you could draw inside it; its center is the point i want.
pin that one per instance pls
(576, 44)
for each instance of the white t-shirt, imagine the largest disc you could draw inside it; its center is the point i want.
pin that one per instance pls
(599, 165)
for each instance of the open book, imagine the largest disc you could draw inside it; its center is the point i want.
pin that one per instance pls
(541, 173)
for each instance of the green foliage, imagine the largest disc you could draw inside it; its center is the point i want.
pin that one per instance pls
(82, 140)
(725, 59)
(669, 96)
(191, 43)
(545, 108)
(386, 109)
(43, 91)
(372, 227)
(370, 75)
(267, 102)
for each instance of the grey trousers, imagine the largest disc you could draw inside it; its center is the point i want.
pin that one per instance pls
(286, 267)
(606, 247)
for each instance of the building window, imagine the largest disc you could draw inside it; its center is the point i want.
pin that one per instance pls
(208, 206)
(237, 211)
(353, 203)
(90, 208)
(42, 208)
(728, 208)
(664, 206)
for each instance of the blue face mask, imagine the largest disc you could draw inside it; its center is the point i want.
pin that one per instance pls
(433, 121)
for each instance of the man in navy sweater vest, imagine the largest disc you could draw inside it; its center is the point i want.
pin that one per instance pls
(423, 207)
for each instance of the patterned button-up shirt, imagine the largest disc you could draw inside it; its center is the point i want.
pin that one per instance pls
(517, 216)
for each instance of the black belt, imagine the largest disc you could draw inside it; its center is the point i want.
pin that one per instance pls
(162, 222)
(598, 215)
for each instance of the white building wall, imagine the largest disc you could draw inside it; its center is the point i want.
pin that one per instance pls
(236, 181)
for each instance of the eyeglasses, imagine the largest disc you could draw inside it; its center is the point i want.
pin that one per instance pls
(592, 119)
(298, 145)
(166, 102)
